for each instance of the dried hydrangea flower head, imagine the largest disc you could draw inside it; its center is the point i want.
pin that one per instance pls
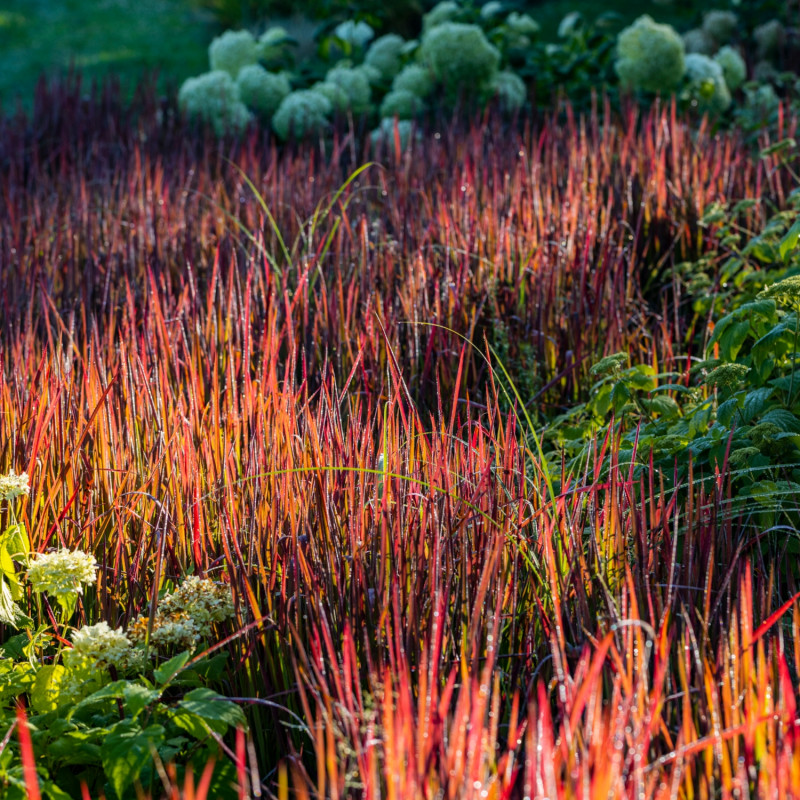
(650, 56)
(186, 616)
(13, 486)
(62, 574)
(100, 646)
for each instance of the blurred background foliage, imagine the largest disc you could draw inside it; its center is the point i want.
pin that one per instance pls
(128, 37)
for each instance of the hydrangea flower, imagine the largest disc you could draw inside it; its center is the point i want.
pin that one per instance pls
(233, 50)
(650, 56)
(371, 73)
(13, 486)
(414, 78)
(509, 89)
(446, 11)
(720, 25)
(707, 82)
(402, 104)
(214, 98)
(518, 29)
(301, 113)
(460, 56)
(491, 9)
(355, 84)
(763, 101)
(62, 574)
(99, 646)
(271, 43)
(770, 37)
(385, 55)
(384, 134)
(262, 91)
(698, 41)
(764, 71)
(356, 34)
(335, 95)
(185, 617)
(733, 67)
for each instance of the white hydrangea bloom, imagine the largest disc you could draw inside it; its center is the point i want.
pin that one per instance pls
(720, 25)
(262, 91)
(301, 113)
(334, 94)
(707, 82)
(770, 37)
(401, 104)
(371, 73)
(62, 574)
(98, 645)
(446, 11)
(271, 43)
(698, 41)
(733, 67)
(522, 23)
(491, 9)
(355, 83)
(414, 78)
(233, 50)
(13, 486)
(460, 56)
(650, 56)
(356, 34)
(385, 55)
(510, 90)
(214, 98)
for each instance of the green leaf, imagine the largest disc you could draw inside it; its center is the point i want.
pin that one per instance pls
(46, 693)
(213, 707)
(783, 419)
(15, 541)
(126, 752)
(731, 341)
(167, 671)
(789, 242)
(10, 612)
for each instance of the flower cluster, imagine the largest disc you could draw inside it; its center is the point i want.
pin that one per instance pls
(99, 646)
(770, 37)
(720, 26)
(356, 34)
(214, 98)
(232, 51)
(402, 104)
(414, 78)
(446, 11)
(355, 84)
(62, 574)
(510, 90)
(650, 56)
(262, 91)
(733, 67)
(13, 486)
(185, 617)
(385, 55)
(707, 83)
(301, 113)
(460, 56)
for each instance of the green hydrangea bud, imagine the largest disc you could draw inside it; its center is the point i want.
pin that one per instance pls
(385, 55)
(232, 51)
(460, 56)
(650, 56)
(214, 98)
(262, 91)
(301, 113)
(733, 67)
(401, 104)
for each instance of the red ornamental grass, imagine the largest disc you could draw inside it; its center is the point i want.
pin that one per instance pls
(289, 405)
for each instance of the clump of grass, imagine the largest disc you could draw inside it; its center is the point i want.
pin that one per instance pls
(208, 378)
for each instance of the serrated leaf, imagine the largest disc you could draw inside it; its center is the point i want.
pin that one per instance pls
(126, 751)
(756, 402)
(731, 341)
(783, 419)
